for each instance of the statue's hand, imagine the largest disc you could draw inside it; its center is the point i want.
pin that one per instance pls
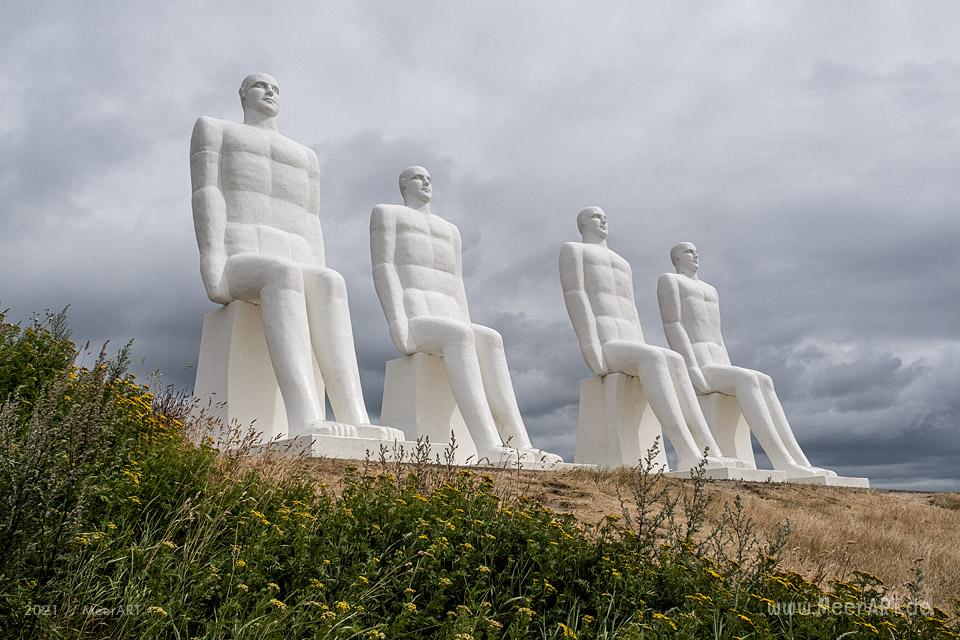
(699, 381)
(219, 293)
(400, 333)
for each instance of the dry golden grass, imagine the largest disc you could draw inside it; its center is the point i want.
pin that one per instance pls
(835, 530)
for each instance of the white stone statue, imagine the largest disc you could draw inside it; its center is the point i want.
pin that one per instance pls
(418, 274)
(256, 205)
(690, 309)
(598, 291)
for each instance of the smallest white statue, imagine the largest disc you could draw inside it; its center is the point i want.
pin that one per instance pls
(690, 310)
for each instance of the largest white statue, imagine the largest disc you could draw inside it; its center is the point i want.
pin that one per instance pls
(418, 274)
(598, 291)
(256, 206)
(690, 310)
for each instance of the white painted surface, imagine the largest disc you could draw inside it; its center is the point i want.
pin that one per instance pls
(256, 206)
(418, 274)
(690, 310)
(598, 292)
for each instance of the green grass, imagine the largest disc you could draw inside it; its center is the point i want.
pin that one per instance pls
(115, 525)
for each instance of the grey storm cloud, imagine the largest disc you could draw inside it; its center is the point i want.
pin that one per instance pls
(808, 149)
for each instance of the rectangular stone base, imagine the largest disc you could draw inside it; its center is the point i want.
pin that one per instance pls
(743, 475)
(322, 446)
(839, 481)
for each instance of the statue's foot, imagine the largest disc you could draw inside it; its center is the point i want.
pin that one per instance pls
(378, 432)
(504, 456)
(328, 428)
(726, 463)
(824, 472)
(539, 455)
(797, 471)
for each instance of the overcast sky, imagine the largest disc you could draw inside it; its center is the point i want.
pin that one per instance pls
(810, 150)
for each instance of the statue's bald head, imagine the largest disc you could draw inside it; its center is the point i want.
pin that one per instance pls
(263, 90)
(685, 258)
(416, 186)
(585, 214)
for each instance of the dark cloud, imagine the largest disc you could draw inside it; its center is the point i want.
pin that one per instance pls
(809, 151)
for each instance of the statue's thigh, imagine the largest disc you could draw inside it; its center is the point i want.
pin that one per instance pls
(726, 379)
(631, 358)
(248, 274)
(434, 335)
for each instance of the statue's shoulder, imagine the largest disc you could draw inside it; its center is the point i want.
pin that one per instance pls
(571, 250)
(669, 282)
(388, 211)
(206, 123)
(386, 216)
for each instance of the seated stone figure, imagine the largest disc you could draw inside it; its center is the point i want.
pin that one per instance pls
(690, 309)
(256, 206)
(418, 274)
(598, 291)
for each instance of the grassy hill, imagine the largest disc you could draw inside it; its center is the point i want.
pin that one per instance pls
(116, 525)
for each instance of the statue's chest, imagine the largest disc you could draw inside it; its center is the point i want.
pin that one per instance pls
(264, 163)
(426, 244)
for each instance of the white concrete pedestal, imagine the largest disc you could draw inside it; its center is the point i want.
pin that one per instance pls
(235, 381)
(728, 426)
(616, 426)
(417, 399)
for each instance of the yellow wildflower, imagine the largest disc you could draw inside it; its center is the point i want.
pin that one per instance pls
(242, 587)
(328, 616)
(159, 611)
(317, 584)
(567, 631)
(663, 618)
(278, 604)
(410, 607)
(342, 605)
(241, 563)
(484, 569)
(273, 587)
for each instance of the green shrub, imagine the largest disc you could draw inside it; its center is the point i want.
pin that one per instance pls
(117, 526)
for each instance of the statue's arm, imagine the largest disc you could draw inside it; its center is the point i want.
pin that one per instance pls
(579, 308)
(458, 271)
(386, 280)
(209, 207)
(668, 296)
(315, 234)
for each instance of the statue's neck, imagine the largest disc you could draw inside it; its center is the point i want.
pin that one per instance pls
(690, 274)
(261, 120)
(595, 241)
(423, 208)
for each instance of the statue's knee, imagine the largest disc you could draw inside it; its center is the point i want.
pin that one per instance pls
(284, 275)
(461, 335)
(488, 335)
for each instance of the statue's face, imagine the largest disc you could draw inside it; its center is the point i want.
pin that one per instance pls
(260, 92)
(417, 185)
(687, 258)
(595, 224)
